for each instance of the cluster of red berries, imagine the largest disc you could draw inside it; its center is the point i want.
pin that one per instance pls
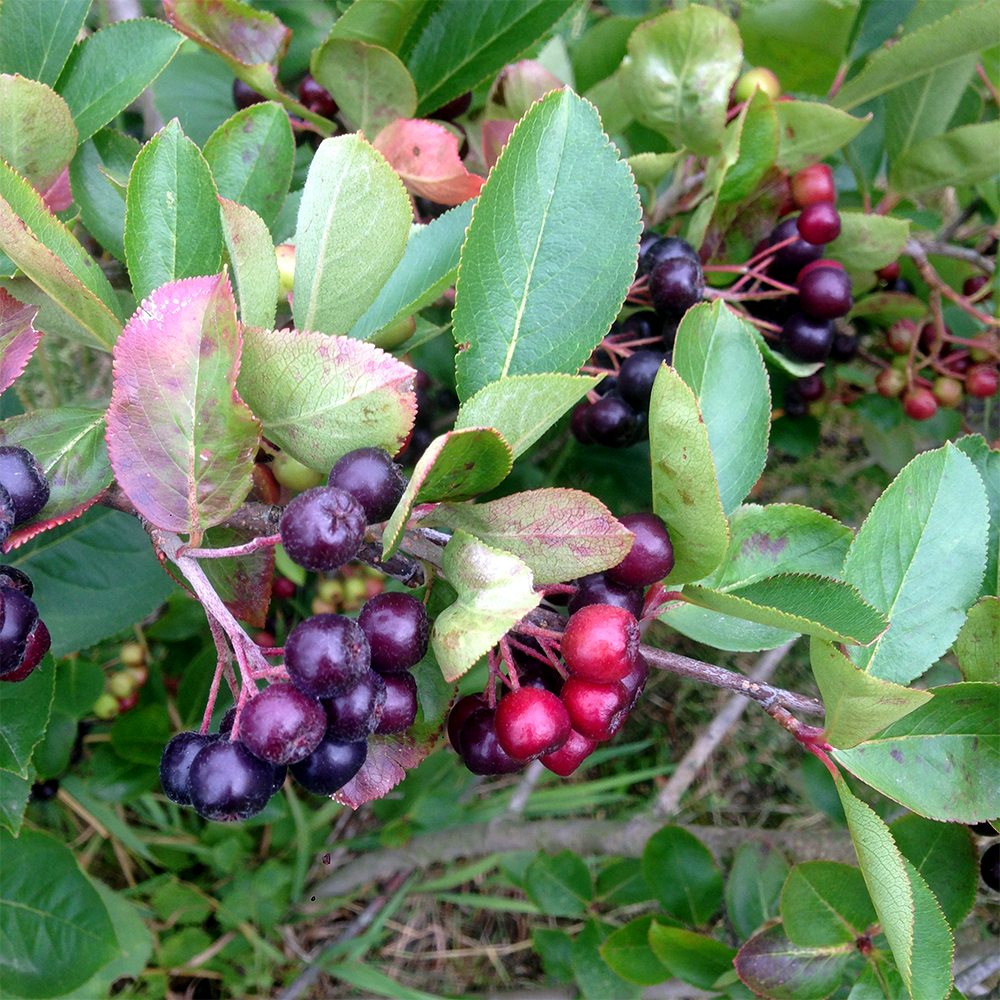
(24, 639)
(558, 712)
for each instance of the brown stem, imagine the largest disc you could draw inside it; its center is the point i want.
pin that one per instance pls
(917, 254)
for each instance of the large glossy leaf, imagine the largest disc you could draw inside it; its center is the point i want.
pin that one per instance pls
(723, 631)
(37, 134)
(716, 356)
(380, 22)
(753, 888)
(956, 158)
(919, 558)
(825, 903)
(941, 760)
(677, 75)
(868, 242)
(320, 397)
(976, 647)
(36, 38)
(18, 338)
(810, 132)
(180, 439)
(353, 222)
(24, 715)
(558, 184)
(685, 489)
(255, 267)
(172, 225)
(679, 869)
(987, 463)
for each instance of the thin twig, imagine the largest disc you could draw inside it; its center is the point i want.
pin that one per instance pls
(525, 787)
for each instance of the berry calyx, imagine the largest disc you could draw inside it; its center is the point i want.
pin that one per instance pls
(595, 710)
(982, 381)
(372, 478)
(281, 724)
(228, 783)
(326, 655)
(920, 404)
(330, 766)
(570, 755)
(531, 722)
(322, 529)
(22, 476)
(397, 630)
(819, 223)
(651, 557)
(600, 643)
(813, 184)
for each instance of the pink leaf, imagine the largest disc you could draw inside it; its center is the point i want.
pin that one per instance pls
(425, 155)
(58, 196)
(389, 758)
(18, 338)
(494, 137)
(520, 84)
(181, 440)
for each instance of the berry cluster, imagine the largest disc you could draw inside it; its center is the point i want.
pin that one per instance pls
(558, 712)
(24, 639)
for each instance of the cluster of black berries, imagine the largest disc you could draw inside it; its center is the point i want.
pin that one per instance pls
(24, 639)
(559, 712)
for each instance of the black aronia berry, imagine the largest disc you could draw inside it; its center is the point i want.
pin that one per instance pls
(175, 764)
(227, 782)
(22, 476)
(372, 478)
(323, 528)
(397, 630)
(281, 724)
(326, 655)
(330, 766)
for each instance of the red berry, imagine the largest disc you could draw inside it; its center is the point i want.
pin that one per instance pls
(813, 184)
(982, 381)
(283, 588)
(595, 710)
(651, 557)
(635, 682)
(570, 755)
(974, 285)
(813, 264)
(900, 335)
(819, 223)
(600, 643)
(920, 404)
(316, 97)
(888, 273)
(531, 722)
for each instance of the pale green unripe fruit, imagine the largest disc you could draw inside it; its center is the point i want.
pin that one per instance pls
(760, 77)
(391, 336)
(286, 269)
(106, 706)
(293, 474)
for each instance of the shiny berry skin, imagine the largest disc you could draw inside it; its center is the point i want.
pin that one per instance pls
(479, 747)
(6, 515)
(597, 588)
(322, 529)
(792, 258)
(354, 715)
(578, 423)
(989, 867)
(676, 284)
(175, 764)
(822, 262)
(811, 387)
(244, 96)
(643, 325)
(326, 655)
(595, 710)
(38, 644)
(651, 557)
(982, 381)
(600, 643)
(612, 422)
(806, 338)
(19, 618)
(900, 335)
(330, 766)
(570, 755)
(397, 630)
(666, 248)
(400, 709)
(813, 184)
(825, 293)
(316, 97)
(819, 223)
(974, 285)
(455, 108)
(22, 476)
(635, 681)
(636, 377)
(281, 724)
(920, 404)
(845, 346)
(947, 391)
(460, 711)
(373, 479)
(890, 383)
(888, 273)
(228, 783)
(531, 722)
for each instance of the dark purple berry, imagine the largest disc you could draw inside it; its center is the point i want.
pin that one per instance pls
(455, 108)
(651, 557)
(397, 631)
(666, 248)
(899, 285)
(643, 325)
(19, 618)
(244, 95)
(612, 422)
(676, 284)
(226, 725)
(6, 515)
(22, 476)
(330, 766)
(373, 479)
(607, 385)
(11, 576)
(354, 715)
(845, 346)
(42, 791)
(646, 240)
(811, 387)
(322, 529)
(228, 783)
(175, 764)
(825, 292)
(281, 724)
(794, 405)
(989, 867)
(578, 423)
(634, 681)
(480, 748)
(791, 259)
(460, 711)
(598, 589)
(806, 338)
(316, 97)
(400, 708)
(819, 223)
(326, 655)
(636, 377)
(38, 644)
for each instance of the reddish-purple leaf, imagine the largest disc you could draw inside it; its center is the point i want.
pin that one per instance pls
(58, 196)
(389, 758)
(18, 338)
(494, 136)
(231, 28)
(243, 582)
(180, 438)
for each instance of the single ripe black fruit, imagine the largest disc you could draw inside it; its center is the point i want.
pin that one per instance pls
(791, 259)
(227, 782)
(646, 240)
(19, 618)
(479, 747)
(455, 108)
(400, 709)
(281, 724)
(578, 423)
(598, 589)
(811, 387)
(397, 631)
(612, 422)
(794, 405)
(373, 479)
(326, 655)
(6, 515)
(11, 576)
(42, 791)
(989, 867)
(175, 764)
(825, 293)
(676, 284)
(322, 529)
(806, 338)
(643, 325)
(651, 557)
(607, 385)
(244, 95)
(666, 248)
(330, 766)
(22, 476)
(636, 377)
(354, 715)
(35, 648)
(845, 346)
(316, 97)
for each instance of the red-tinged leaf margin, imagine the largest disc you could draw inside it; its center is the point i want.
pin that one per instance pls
(243, 582)
(18, 338)
(230, 28)
(388, 760)
(425, 155)
(163, 349)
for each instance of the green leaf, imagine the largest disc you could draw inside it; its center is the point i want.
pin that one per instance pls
(753, 888)
(593, 976)
(601, 48)
(141, 734)
(372, 980)
(723, 631)
(255, 267)
(987, 463)
(251, 157)
(911, 919)
(106, 72)
(758, 147)
(78, 685)
(560, 884)
(940, 760)
(976, 647)
(172, 224)
(523, 407)
(52, 755)
(382, 22)
(37, 135)
(857, 704)
(868, 242)
(677, 75)
(464, 44)
(353, 222)
(960, 157)
(679, 869)
(45, 250)
(541, 309)
(14, 794)
(810, 132)
(685, 489)
(55, 925)
(695, 958)
(920, 53)
(884, 308)
(919, 558)
(24, 714)
(560, 534)
(494, 593)
(824, 903)
(716, 356)
(621, 883)
(36, 38)
(628, 953)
